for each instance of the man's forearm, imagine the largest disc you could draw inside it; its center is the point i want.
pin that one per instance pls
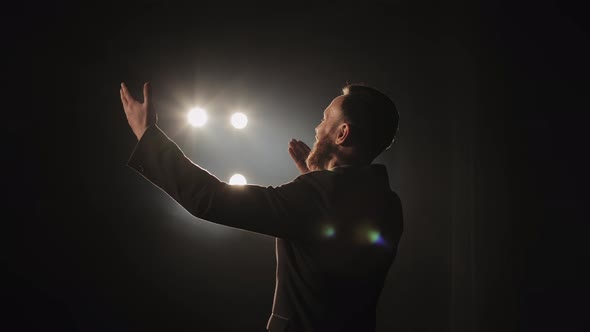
(265, 210)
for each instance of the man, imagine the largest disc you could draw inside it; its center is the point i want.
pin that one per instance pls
(337, 226)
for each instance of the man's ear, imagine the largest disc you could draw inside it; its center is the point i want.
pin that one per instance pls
(342, 134)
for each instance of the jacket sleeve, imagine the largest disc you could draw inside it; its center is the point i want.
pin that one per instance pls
(285, 211)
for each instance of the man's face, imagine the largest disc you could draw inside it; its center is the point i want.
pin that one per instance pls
(325, 147)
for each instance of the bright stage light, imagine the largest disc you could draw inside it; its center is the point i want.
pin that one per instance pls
(237, 179)
(239, 120)
(197, 117)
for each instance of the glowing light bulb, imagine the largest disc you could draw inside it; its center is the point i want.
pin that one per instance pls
(237, 179)
(197, 117)
(239, 120)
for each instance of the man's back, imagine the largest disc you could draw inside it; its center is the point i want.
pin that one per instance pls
(331, 279)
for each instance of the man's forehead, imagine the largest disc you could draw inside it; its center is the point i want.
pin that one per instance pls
(334, 105)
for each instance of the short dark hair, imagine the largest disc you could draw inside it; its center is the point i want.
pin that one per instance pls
(372, 116)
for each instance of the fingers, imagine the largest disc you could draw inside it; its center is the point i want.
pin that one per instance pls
(304, 146)
(147, 92)
(128, 97)
(298, 151)
(123, 99)
(301, 149)
(298, 155)
(293, 150)
(293, 154)
(300, 145)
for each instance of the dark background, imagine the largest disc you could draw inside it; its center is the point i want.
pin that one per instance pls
(490, 158)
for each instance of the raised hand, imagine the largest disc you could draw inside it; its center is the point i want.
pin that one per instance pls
(299, 152)
(139, 115)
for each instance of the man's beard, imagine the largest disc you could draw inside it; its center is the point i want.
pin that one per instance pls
(320, 155)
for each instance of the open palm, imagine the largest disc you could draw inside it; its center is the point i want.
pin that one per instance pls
(140, 115)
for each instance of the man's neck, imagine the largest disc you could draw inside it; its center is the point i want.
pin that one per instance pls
(336, 162)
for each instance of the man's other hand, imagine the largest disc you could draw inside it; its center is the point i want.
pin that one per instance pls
(299, 152)
(139, 115)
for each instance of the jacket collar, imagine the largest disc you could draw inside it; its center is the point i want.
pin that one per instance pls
(377, 172)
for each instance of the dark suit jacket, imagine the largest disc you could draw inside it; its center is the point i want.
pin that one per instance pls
(336, 231)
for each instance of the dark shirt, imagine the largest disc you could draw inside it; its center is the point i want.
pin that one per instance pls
(337, 231)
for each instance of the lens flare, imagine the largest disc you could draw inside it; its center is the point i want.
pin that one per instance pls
(328, 231)
(375, 238)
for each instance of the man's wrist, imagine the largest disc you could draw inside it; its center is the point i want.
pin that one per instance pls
(140, 133)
